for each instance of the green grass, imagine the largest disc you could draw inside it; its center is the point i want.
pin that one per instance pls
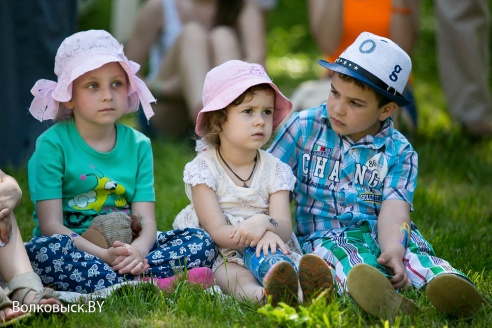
(452, 205)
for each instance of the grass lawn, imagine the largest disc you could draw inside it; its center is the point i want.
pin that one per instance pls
(452, 206)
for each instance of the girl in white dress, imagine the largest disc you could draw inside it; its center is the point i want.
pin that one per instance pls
(240, 194)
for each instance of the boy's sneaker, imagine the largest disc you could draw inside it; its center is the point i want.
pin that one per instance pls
(315, 277)
(373, 292)
(454, 296)
(281, 284)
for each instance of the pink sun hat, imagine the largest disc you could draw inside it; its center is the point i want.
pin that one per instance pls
(226, 82)
(78, 54)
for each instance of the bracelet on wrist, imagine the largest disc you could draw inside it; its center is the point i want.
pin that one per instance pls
(73, 236)
(273, 222)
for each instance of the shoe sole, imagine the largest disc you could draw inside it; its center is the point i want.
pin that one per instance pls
(282, 284)
(373, 292)
(454, 296)
(315, 277)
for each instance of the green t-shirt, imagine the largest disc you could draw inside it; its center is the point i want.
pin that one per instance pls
(89, 182)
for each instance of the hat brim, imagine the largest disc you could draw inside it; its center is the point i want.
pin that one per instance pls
(399, 100)
(63, 91)
(282, 105)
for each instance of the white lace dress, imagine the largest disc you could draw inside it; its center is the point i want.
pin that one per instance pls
(237, 203)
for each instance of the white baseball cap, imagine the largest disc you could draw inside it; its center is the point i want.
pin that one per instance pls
(378, 62)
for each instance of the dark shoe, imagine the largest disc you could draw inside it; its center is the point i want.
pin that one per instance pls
(281, 284)
(373, 292)
(315, 277)
(454, 296)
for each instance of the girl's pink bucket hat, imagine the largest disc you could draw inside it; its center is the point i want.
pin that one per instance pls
(80, 53)
(226, 82)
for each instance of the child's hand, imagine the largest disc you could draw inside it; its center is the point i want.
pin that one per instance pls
(250, 231)
(130, 259)
(395, 264)
(271, 241)
(115, 254)
(5, 229)
(10, 195)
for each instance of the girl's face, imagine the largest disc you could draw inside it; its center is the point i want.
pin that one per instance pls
(249, 124)
(100, 97)
(354, 111)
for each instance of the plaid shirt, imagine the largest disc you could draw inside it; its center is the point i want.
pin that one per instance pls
(341, 183)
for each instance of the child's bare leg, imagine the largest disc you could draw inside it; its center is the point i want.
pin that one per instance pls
(14, 262)
(193, 45)
(13, 256)
(238, 281)
(224, 44)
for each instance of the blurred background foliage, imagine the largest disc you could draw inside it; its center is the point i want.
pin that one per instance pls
(292, 54)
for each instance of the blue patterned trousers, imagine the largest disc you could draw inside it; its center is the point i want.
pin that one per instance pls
(61, 265)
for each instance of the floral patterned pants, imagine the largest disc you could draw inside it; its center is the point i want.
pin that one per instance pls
(61, 265)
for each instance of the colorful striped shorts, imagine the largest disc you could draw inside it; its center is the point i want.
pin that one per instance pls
(343, 248)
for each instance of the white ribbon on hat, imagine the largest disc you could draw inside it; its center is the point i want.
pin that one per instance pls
(43, 106)
(143, 91)
(145, 97)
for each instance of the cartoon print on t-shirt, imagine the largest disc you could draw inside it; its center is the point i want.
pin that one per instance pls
(96, 198)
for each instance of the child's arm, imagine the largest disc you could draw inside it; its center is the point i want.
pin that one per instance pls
(251, 26)
(278, 221)
(135, 261)
(325, 22)
(211, 217)
(147, 28)
(50, 216)
(10, 196)
(393, 235)
(280, 212)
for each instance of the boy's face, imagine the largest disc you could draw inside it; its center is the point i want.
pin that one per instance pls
(354, 111)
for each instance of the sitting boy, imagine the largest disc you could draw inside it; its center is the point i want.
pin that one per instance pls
(356, 177)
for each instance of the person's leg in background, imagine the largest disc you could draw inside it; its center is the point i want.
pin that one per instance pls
(463, 47)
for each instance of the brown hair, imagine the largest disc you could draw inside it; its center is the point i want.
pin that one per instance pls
(213, 121)
(382, 100)
(63, 114)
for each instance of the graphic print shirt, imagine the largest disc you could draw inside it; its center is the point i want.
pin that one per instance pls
(341, 183)
(89, 182)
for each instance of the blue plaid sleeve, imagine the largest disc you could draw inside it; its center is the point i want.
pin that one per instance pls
(287, 143)
(401, 181)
